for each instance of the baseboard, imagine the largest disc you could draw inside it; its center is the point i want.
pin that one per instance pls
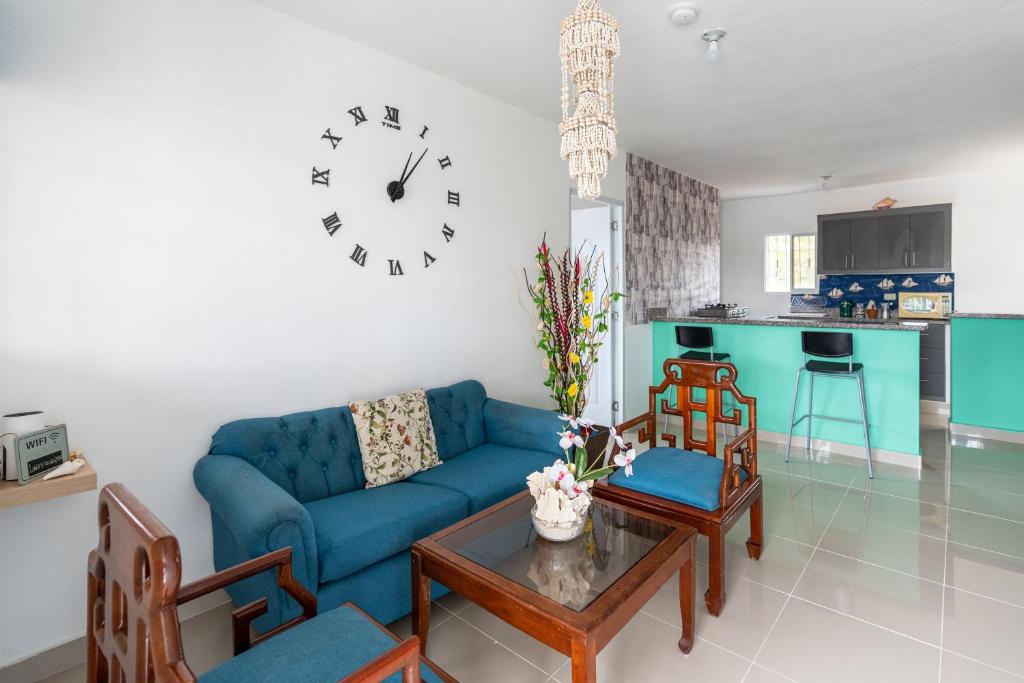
(824, 446)
(934, 413)
(958, 429)
(71, 653)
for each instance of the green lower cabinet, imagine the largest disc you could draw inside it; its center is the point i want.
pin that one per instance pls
(767, 358)
(987, 359)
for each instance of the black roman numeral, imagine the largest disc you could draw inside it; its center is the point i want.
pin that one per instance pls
(395, 266)
(323, 177)
(357, 114)
(448, 233)
(332, 223)
(424, 133)
(391, 114)
(359, 255)
(445, 163)
(427, 260)
(453, 198)
(335, 139)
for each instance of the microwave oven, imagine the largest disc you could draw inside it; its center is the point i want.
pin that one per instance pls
(932, 305)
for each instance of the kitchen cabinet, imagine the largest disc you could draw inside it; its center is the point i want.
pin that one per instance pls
(933, 362)
(905, 240)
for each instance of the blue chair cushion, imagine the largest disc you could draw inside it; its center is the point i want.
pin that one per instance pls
(324, 649)
(674, 474)
(356, 529)
(486, 474)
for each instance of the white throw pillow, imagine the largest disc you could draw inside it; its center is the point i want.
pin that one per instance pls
(396, 437)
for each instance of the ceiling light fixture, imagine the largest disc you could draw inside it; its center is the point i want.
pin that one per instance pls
(712, 37)
(826, 182)
(683, 13)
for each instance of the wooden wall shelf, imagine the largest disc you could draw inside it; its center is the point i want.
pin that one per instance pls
(12, 494)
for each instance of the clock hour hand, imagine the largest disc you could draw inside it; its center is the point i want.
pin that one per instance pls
(405, 178)
(396, 188)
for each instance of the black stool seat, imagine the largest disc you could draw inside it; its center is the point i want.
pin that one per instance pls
(704, 355)
(832, 367)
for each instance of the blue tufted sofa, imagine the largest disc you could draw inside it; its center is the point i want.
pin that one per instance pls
(297, 481)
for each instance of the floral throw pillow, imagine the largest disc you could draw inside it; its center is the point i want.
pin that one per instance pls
(396, 437)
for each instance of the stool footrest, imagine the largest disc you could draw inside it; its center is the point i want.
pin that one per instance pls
(826, 417)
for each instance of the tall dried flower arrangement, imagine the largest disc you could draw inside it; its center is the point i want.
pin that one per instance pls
(573, 299)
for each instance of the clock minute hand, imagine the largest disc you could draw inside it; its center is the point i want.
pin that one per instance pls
(396, 188)
(405, 177)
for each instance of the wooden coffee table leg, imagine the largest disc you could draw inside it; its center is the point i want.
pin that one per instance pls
(420, 601)
(687, 597)
(584, 661)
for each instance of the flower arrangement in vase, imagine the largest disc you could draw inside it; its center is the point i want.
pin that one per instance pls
(562, 490)
(573, 300)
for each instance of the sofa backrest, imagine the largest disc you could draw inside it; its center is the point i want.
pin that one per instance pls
(315, 454)
(457, 413)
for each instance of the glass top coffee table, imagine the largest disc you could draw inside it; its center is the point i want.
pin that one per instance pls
(573, 596)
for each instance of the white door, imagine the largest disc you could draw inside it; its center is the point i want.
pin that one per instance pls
(593, 227)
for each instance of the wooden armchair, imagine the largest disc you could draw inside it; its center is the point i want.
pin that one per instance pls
(685, 486)
(134, 635)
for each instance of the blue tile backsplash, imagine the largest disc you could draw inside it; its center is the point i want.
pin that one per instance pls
(860, 289)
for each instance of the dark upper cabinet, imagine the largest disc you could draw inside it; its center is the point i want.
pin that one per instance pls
(928, 240)
(892, 240)
(864, 243)
(834, 245)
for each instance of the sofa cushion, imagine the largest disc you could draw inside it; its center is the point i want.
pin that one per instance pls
(457, 412)
(310, 455)
(324, 649)
(486, 474)
(686, 477)
(355, 529)
(396, 437)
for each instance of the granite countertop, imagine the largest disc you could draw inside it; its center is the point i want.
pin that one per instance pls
(1001, 316)
(829, 322)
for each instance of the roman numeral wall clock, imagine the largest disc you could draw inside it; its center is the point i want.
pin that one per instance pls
(387, 190)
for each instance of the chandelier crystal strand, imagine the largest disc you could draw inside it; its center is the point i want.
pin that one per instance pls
(589, 41)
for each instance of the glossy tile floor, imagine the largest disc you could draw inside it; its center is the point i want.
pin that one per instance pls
(901, 578)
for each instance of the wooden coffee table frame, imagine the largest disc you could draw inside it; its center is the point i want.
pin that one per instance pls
(579, 635)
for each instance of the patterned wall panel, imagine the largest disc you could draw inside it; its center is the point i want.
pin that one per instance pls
(672, 241)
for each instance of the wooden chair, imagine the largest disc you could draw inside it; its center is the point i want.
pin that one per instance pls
(134, 634)
(682, 485)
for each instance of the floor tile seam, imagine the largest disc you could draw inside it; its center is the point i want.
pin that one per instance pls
(747, 579)
(558, 671)
(945, 565)
(899, 497)
(504, 646)
(987, 550)
(882, 566)
(985, 514)
(862, 620)
(986, 488)
(700, 638)
(976, 594)
(789, 597)
(984, 663)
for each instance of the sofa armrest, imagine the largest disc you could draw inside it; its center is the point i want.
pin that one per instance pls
(510, 424)
(260, 515)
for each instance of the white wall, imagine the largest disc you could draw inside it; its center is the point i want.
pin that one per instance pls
(987, 235)
(162, 269)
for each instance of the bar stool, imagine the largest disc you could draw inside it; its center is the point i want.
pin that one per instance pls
(828, 345)
(701, 344)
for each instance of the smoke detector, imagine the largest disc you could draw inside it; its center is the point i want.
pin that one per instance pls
(683, 13)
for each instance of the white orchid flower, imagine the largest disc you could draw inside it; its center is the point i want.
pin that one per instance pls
(626, 460)
(573, 422)
(569, 439)
(567, 483)
(584, 422)
(617, 437)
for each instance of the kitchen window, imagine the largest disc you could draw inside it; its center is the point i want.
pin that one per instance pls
(789, 263)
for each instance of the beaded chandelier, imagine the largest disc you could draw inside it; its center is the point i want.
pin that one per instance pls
(589, 42)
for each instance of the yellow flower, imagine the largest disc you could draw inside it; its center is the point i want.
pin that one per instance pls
(573, 389)
(586, 321)
(573, 358)
(588, 298)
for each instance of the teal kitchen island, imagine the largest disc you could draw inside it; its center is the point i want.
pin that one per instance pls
(767, 355)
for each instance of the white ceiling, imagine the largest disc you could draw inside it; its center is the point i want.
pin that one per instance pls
(869, 91)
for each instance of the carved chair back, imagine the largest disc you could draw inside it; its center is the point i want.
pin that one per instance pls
(133, 632)
(716, 378)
